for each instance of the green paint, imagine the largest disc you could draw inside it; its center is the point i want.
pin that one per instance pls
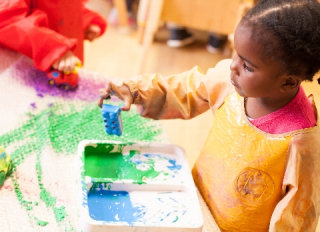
(68, 129)
(175, 220)
(2, 176)
(26, 204)
(62, 127)
(50, 201)
(40, 222)
(65, 125)
(102, 161)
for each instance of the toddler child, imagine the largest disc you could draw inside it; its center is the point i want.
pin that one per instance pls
(258, 170)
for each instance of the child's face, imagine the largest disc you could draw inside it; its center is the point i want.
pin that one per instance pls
(251, 74)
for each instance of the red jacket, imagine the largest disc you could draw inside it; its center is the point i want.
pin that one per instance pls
(45, 29)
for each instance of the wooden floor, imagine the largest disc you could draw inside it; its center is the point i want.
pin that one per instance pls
(118, 54)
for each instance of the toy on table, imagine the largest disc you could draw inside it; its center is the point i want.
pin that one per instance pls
(5, 165)
(112, 119)
(65, 80)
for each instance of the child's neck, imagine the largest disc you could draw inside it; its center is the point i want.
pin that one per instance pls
(258, 107)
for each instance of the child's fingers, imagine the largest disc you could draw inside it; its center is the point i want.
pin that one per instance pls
(76, 61)
(92, 32)
(127, 105)
(100, 102)
(68, 65)
(55, 65)
(61, 65)
(122, 92)
(104, 94)
(102, 98)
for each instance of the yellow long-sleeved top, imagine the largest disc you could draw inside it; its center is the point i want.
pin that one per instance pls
(284, 189)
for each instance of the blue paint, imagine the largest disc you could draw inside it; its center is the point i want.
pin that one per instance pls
(174, 166)
(173, 199)
(112, 206)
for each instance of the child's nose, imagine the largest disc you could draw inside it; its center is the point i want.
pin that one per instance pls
(234, 64)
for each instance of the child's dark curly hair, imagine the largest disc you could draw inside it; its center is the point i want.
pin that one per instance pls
(289, 32)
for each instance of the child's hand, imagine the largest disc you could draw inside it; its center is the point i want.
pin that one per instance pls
(123, 92)
(67, 63)
(92, 32)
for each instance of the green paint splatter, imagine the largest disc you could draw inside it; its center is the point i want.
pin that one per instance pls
(62, 127)
(50, 201)
(175, 220)
(26, 204)
(40, 222)
(68, 129)
(102, 161)
(65, 125)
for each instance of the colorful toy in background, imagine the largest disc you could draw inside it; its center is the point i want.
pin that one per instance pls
(5, 165)
(67, 81)
(112, 119)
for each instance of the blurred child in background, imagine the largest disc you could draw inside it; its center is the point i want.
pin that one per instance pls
(50, 32)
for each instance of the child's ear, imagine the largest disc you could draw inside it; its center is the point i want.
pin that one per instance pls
(290, 82)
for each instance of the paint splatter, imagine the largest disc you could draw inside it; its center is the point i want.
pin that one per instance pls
(87, 90)
(62, 126)
(50, 201)
(65, 125)
(173, 165)
(143, 206)
(33, 105)
(112, 206)
(40, 222)
(139, 208)
(101, 162)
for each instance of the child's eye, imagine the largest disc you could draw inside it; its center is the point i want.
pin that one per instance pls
(245, 66)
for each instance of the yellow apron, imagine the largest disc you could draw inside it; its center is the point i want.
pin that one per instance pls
(240, 170)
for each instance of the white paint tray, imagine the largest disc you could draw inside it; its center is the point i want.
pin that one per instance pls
(137, 187)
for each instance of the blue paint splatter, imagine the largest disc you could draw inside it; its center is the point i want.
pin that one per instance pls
(112, 206)
(174, 166)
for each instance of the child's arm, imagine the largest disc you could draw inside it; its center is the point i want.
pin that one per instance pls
(93, 24)
(184, 95)
(299, 208)
(28, 34)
